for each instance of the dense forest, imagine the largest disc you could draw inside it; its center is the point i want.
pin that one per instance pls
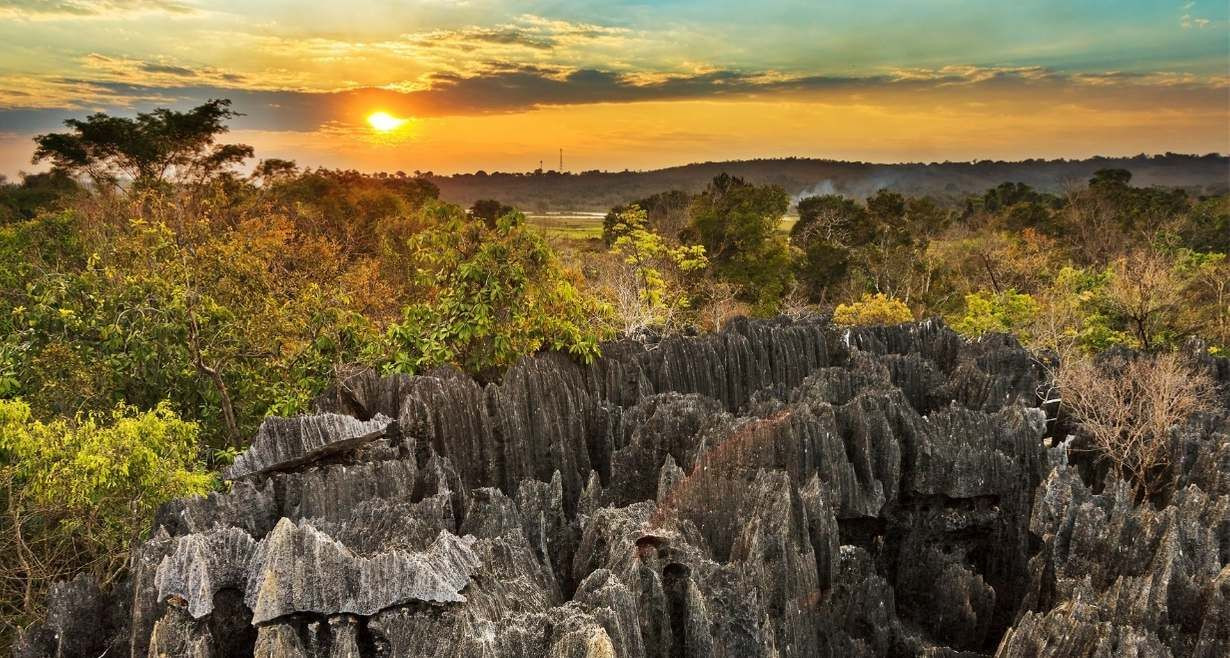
(156, 305)
(544, 191)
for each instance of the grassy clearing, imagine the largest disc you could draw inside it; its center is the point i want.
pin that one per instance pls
(572, 226)
(588, 226)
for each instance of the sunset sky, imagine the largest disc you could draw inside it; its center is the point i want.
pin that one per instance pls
(498, 85)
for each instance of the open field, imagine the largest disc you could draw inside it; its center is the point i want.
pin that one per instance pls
(578, 225)
(566, 224)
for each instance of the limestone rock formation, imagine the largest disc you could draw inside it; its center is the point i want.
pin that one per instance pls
(284, 443)
(776, 489)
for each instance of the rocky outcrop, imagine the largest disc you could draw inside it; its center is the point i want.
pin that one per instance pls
(284, 443)
(1117, 579)
(775, 489)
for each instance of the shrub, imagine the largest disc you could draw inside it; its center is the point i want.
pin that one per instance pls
(872, 309)
(227, 315)
(1007, 312)
(78, 492)
(1128, 414)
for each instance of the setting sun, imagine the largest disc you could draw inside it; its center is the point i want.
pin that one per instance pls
(384, 122)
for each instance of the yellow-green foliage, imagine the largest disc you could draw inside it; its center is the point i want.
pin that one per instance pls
(659, 272)
(1151, 300)
(1007, 312)
(1073, 313)
(79, 491)
(488, 296)
(872, 309)
(100, 309)
(113, 471)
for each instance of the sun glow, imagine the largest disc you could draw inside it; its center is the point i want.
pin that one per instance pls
(384, 122)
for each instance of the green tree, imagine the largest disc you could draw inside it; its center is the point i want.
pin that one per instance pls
(1110, 178)
(1206, 227)
(894, 261)
(78, 492)
(737, 224)
(35, 193)
(148, 149)
(654, 290)
(666, 214)
(1006, 312)
(227, 317)
(272, 170)
(833, 219)
(829, 227)
(1111, 202)
(366, 214)
(488, 296)
(489, 210)
(1007, 195)
(1148, 293)
(821, 267)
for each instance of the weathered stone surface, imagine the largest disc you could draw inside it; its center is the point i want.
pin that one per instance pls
(284, 443)
(612, 605)
(1116, 577)
(775, 489)
(364, 394)
(82, 620)
(777, 565)
(179, 634)
(203, 564)
(296, 568)
(279, 641)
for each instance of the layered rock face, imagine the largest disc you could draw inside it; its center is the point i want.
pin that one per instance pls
(776, 489)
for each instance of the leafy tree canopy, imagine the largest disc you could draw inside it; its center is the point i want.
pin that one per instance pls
(489, 210)
(833, 219)
(78, 491)
(1004, 312)
(655, 289)
(148, 149)
(737, 224)
(35, 192)
(489, 295)
(666, 213)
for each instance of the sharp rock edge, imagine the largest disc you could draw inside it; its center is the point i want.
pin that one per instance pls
(776, 489)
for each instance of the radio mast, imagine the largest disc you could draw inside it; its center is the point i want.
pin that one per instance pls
(561, 161)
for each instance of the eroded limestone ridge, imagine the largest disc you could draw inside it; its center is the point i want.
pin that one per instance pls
(776, 489)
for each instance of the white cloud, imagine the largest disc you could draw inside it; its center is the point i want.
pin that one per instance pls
(50, 10)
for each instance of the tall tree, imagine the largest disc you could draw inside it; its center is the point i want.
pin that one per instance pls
(490, 211)
(148, 149)
(737, 224)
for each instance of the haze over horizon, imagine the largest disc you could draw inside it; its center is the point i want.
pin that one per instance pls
(459, 86)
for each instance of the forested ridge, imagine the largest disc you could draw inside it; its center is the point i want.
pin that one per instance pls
(157, 308)
(596, 190)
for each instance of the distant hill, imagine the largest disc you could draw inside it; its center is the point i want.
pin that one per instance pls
(599, 190)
